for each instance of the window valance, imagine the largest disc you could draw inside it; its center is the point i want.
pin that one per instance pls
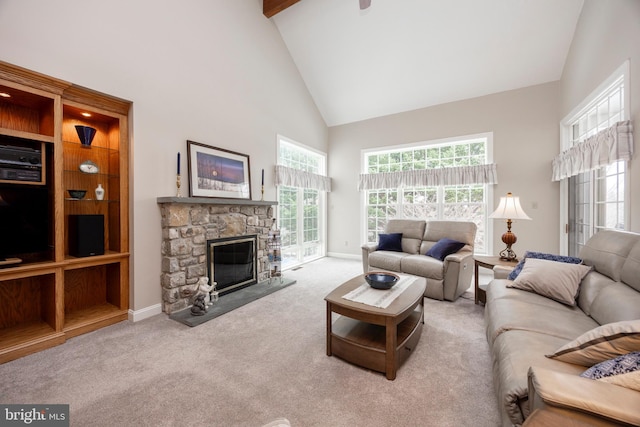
(291, 177)
(460, 175)
(607, 146)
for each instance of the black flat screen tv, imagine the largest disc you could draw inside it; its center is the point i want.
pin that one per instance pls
(24, 222)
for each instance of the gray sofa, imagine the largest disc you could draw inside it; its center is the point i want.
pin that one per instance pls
(522, 327)
(446, 280)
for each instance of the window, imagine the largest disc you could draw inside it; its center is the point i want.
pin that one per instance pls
(456, 202)
(301, 212)
(596, 198)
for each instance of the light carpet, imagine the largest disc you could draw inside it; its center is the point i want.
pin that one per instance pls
(260, 362)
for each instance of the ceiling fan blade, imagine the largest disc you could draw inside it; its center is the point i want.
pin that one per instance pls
(364, 4)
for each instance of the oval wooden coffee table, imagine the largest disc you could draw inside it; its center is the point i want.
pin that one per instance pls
(379, 339)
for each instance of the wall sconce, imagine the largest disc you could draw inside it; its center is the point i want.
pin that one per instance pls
(509, 209)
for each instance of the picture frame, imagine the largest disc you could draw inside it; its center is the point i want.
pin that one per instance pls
(216, 172)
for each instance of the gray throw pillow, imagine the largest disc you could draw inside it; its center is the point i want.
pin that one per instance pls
(601, 343)
(556, 280)
(541, 255)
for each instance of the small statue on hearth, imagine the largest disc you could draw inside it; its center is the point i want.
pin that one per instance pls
(206, 289)
(199, 307)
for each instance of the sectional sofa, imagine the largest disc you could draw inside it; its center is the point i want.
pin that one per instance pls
(541, 341)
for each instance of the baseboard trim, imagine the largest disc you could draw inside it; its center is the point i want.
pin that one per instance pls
(145, 313)
(344, 256)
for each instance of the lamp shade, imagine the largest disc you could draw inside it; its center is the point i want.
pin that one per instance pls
(509, 208)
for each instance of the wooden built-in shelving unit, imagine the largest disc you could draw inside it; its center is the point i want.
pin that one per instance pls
(47, 294)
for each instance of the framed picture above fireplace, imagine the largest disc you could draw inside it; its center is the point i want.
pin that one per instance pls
(216, 172)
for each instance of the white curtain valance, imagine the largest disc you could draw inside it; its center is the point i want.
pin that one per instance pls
(607, 146)
(460, 175)
(290, 177)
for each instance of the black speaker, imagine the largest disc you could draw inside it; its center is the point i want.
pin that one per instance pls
(86, 235)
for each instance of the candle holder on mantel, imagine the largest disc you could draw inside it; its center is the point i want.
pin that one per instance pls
(178, 186)
(262, 194)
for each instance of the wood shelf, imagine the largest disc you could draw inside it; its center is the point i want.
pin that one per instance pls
(51, 295)
(25, 333)
(370, 336)
(26, 135)
(27, 338)
(364, 344)
(89, 319)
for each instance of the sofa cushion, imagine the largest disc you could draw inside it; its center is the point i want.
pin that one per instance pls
(590, 287)
(390, 242)
(412, 231)
(559, 281)
(615, 303)
(607, 251)
(602, 343)
(541, 255)
(513, 353)
(631, 268)
(498, 288)
(444, 247)
(520, 310)
(386, 260)
(461, 231)
(420, 265)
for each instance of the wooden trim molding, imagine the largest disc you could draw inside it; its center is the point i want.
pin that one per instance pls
(272, 7)
(32, 79)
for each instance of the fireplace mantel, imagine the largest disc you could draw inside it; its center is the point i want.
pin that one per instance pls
(215, 201)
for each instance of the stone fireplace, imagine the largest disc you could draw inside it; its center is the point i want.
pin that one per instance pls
(188, 223)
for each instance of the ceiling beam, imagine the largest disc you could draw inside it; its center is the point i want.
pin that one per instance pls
(271, 7)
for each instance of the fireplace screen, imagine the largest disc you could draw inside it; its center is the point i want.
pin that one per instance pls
(232, 262)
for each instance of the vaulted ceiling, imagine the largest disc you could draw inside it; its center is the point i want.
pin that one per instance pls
(401, 55)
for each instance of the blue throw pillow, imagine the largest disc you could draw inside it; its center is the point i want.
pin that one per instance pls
(541, 255)
(443, 248)
(390, 242)
(623, 364)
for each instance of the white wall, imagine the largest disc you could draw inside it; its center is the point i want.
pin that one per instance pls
(524, 123)
(607, 34)
(212, 71)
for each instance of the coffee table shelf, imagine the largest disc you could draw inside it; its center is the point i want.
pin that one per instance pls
(364, 344)
(379, 339)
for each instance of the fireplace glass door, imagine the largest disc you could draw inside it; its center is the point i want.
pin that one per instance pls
(232, 262)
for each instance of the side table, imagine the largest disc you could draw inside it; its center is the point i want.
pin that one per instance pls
(486, 262)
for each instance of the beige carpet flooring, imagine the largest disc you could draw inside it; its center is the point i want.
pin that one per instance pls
(263, 361)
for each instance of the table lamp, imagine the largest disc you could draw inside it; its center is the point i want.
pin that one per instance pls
(509, 209)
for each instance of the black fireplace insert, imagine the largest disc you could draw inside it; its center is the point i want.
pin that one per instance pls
(232, 262)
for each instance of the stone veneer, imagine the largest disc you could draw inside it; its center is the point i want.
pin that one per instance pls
(187, 224)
